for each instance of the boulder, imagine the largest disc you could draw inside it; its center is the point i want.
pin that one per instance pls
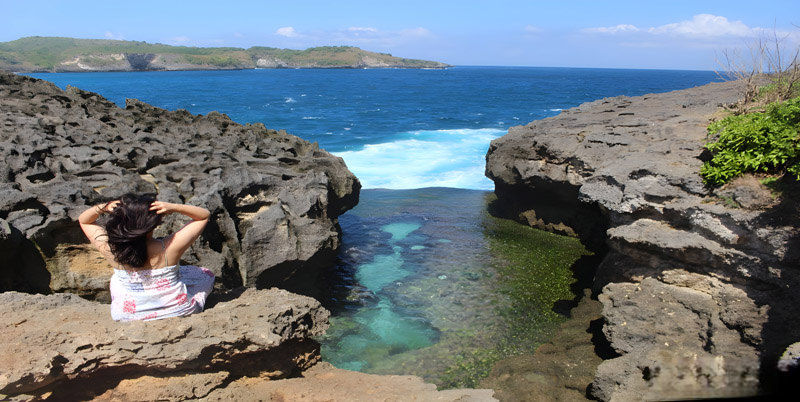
(622, 173)
(64, 345)
(249, 345)
(679, 337)
(274, 198)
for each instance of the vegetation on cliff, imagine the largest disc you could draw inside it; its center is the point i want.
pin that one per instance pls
(70, 54)
(767, 141)
(763, 134)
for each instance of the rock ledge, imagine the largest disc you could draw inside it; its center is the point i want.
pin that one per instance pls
(698, 297)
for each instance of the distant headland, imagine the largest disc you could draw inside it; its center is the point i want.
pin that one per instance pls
(56, 54)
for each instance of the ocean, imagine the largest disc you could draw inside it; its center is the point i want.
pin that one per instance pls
(427, 282)
(396, 129)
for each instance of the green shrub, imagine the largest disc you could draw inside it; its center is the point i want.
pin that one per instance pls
(756, 142)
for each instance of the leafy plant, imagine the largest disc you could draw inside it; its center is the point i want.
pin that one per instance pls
(756, 142)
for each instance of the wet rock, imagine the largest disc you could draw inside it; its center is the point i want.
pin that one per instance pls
(679, 337)
(623, 174)
(274, 198)
(323, 382)
(559, 370)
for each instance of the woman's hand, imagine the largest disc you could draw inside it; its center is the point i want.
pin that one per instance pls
(162, 208)
(108, 208)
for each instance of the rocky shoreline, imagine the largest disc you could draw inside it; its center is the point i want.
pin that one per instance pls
(274, 201)
(698, 295)
(274, 198)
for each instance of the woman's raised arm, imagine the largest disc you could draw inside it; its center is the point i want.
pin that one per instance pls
(180, 241)
(94, 232)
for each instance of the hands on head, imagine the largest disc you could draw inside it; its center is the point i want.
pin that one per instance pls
(111, 206)
(161, 207)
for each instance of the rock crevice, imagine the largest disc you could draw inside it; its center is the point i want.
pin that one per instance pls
(274, 198)
(623, 174)
(274, 201)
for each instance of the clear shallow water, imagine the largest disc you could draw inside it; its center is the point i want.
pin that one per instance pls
(427, 283)
(395, 129)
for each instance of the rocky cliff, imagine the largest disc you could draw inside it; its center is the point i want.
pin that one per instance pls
(698, 295)
(274, 198)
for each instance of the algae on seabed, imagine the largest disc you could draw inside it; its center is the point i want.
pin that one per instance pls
(430, 284)
(533, 269)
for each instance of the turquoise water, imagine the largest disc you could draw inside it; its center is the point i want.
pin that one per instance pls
(407, 274)
(422, 286)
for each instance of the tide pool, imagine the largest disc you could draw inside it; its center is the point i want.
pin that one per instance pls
(429, 284)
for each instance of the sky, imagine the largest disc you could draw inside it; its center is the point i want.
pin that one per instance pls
(678, 34)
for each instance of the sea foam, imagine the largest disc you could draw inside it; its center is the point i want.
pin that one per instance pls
(435, 158)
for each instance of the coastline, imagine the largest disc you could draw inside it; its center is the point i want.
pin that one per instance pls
(211, 68)
(622, 173)
(55, 54)
(637, 231)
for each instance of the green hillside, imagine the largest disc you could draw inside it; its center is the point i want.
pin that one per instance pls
(67, 54)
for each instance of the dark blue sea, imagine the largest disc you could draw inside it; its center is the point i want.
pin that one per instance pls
(419, 286)
(396, 129)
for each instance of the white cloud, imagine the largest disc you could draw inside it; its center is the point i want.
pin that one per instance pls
(363, 29)
(288, 32)
(415, 32)
(532, 29)
(705, 25)
(621, 28)
(701, 26)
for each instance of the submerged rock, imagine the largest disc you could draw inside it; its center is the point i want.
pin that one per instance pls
(274, 198)
(623, 174)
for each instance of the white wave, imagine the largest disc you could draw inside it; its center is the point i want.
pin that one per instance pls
(289, 100)
(442, 158)
(556, 110)
(312, 118)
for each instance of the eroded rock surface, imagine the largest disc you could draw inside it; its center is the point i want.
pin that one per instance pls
(623, 174)
(66, 345)
(255, 345)
(274, 198)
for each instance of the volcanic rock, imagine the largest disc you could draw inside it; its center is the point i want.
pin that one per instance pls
(64, 344)
(251, 345)
(274, 198)
(623, 174)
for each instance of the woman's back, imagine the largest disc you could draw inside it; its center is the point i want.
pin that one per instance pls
(148, 282)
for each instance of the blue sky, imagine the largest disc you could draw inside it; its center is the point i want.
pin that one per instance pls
(618, 34)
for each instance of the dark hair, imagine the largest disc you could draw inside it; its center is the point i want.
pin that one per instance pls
(127, 228)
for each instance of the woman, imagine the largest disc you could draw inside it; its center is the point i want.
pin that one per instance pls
(148, 282)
